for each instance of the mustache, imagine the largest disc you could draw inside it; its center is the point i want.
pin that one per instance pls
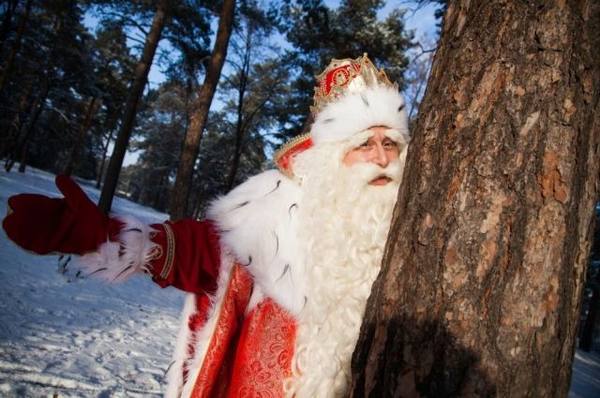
(368, 171)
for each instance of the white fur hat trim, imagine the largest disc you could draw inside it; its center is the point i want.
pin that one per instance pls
(355, 112)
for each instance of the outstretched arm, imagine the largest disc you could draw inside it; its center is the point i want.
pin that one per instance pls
(184, 254)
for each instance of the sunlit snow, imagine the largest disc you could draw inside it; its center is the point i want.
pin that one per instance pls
(82, 338)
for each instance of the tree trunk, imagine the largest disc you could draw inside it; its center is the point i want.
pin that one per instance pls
(237, 154)
(20, 150)
(239, 136)
(80, 139)
(197, 211)
(193, 134)
(24, 146)
(240, 131)
(23, 157)
(11, 138)
(135, 93)
(480, 288)
(104, 156)
(15, 48)
(239, 125)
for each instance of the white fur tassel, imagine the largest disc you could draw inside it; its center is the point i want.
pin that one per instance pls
(117, 261)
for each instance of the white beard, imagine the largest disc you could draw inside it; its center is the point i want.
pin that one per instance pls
(342, 230)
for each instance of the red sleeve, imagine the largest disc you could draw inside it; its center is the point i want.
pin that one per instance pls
(189, 258)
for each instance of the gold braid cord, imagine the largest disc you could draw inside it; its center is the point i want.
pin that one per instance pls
(170, 258)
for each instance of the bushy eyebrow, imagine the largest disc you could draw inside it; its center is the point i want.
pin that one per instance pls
(386, 139)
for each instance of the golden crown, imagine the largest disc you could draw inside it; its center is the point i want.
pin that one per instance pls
(346, 75)
(340, 77)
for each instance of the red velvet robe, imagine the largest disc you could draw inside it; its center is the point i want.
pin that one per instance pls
(248, 353)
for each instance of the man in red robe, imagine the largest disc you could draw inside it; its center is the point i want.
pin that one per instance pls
(279, 273)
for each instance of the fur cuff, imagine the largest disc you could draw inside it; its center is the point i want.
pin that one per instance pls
(117, 261)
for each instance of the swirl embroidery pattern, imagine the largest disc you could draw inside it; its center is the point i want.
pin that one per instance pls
(264, 355)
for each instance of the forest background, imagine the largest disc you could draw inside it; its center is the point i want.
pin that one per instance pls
(68, 71)
(74, 78)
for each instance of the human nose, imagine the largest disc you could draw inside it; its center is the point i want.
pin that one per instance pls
(380, 157)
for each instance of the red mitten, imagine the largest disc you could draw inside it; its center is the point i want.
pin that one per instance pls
(72, 225)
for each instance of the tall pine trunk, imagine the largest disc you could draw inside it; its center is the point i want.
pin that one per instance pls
(23, 157)
(103, 160)
(23, 138)
(239, 125)
(135, 93)
(480, 288)
(239, 136)
(11, 136)
(193, 135)
(77, 147)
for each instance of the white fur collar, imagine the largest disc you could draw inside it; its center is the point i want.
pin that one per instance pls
(257, 223)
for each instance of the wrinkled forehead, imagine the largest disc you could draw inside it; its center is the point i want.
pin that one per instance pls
(362, 136)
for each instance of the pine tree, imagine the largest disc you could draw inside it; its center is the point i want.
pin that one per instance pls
(183, 180)
(136, 90)
(480, 288)
(319, 33)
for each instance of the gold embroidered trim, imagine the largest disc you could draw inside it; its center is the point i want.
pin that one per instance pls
(170, 252)
(288, 145)
(335, 80)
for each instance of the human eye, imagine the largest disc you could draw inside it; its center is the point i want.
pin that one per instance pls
(389, 144)
(365, 145)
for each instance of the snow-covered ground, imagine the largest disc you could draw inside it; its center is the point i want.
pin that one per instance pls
(586, 375)
(82, 338)
(89, 339)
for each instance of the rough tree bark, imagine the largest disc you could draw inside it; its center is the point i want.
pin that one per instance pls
(193, 135)
(479, 292)
(136, 90)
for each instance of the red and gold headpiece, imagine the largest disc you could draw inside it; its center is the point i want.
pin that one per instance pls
(343, 76)
(351, 95)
